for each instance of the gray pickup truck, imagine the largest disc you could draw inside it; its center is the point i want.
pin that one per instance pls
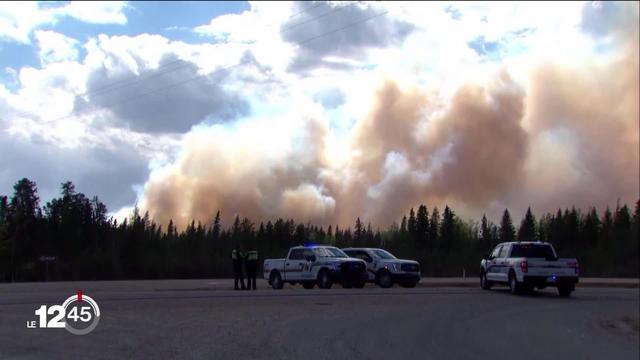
(315, 265)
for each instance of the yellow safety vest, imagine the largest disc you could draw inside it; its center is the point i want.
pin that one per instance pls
(252, 255)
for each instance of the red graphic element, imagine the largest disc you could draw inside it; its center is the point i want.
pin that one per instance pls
(79, 295)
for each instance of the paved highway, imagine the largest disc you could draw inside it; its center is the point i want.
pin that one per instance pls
(201, 319)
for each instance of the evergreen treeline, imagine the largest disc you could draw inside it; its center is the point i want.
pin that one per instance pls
(88, 245)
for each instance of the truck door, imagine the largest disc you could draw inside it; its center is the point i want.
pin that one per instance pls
(503, 264)
(364, 255)
(306, 272)
(492, 265)
(293, 265)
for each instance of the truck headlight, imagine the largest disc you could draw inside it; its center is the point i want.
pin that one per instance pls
(393, 267)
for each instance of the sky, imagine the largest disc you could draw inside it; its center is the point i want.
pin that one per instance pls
(322, 111)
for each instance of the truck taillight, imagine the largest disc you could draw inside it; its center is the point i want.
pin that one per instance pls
(524, 266)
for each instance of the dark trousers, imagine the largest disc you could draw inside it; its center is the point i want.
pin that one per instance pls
(237, 275)
(252, 269)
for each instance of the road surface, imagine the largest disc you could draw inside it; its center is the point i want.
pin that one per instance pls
(186, 319)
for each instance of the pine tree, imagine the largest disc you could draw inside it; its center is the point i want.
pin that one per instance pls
(422, 226)
(527, 231)
(411, 224)
(507, 231)
(215, 230)
(357, 233)
(448, 237)
(485, 234)
(434, 227)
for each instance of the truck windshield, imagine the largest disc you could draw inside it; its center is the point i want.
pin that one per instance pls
(329, 252)
(382, 254)
(533, 251)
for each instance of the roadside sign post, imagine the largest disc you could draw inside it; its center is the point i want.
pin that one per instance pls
(46, 260)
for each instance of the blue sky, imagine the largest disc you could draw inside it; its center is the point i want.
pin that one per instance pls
(372, 117)
(173, 20)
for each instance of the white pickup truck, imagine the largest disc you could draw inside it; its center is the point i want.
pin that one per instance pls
(311, 265)
(385, 269)
(525, 265)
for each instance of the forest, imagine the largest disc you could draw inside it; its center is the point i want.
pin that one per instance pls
(73, 238)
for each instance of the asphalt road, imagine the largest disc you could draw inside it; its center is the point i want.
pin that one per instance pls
(201, 319)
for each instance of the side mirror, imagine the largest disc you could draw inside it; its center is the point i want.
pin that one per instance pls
(310, 258)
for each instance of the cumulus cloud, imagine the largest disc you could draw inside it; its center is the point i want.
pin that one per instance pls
(339, 49)
(54, 47)
(92, 169)
(19, 18)
(417, 117)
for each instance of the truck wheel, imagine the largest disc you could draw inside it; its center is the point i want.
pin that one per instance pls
(514, 286)
(276, 280)
(484, 283)
(408, 284)
(308, 285)
(565, 290)
(384, 279)
(324, 280)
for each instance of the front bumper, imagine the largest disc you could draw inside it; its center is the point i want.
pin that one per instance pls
(549, 280)
(348, 275)
(405, 277)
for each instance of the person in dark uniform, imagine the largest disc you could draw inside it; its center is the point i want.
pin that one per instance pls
(237, 257)
(251, 263)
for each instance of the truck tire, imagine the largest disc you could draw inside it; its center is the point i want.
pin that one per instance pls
(408, 284)
(308, 285)
(358, 284)
(514, 286)
(276, 280)
(383, 278)
(484, 283)
(565, 290)
(324, 280)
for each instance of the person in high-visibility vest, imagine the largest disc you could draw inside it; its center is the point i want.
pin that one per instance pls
(237, 257)
(251, 263)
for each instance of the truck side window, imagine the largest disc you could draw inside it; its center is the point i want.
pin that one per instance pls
(505, 251)
(496, 252)
(364, 256)
(307, 253)
(296, 254)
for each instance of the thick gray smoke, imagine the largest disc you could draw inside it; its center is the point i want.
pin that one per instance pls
(568, 136)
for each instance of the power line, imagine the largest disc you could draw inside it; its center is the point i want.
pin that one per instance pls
(337, 9)
(136, 79)
(344, 27)
(130, 99)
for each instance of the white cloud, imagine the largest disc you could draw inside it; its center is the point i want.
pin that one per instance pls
(18, 19)
(96, 12)
(55, 47)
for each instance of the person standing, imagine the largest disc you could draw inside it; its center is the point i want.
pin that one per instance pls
(252, 268)
(237, 257)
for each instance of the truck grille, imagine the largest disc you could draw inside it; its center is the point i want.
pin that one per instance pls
(353, 267)
(410, 267)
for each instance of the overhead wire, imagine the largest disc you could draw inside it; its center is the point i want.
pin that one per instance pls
(204, 75)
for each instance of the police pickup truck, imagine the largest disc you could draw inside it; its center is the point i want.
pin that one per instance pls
(311, 265)
(525, 265)
(385, 269)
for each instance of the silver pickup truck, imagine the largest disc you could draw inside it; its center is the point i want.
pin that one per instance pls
(315, 265)
(524, 266)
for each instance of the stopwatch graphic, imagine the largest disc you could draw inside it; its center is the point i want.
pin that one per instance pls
(79, 314)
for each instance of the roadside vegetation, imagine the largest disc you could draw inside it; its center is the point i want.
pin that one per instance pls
(72, 238)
